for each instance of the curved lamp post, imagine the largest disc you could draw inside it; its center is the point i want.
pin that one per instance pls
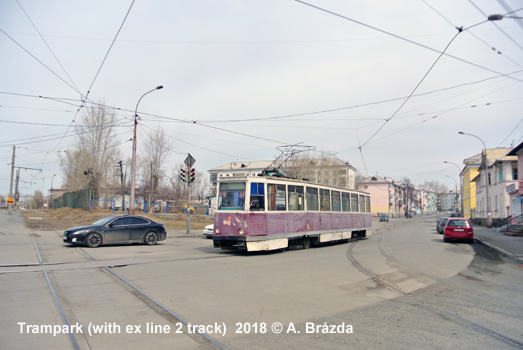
(456, 183)
(460, 187)
(485, 161)
(133, 170)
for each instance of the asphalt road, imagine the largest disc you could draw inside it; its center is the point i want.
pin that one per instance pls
(401, 288)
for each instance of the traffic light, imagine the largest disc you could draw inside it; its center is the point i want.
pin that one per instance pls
(192, 174)
(182, 175)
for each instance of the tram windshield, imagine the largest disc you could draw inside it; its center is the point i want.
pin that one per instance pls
(231, 196)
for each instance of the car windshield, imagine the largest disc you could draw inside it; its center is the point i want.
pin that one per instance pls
(460, 223)
(103, 221)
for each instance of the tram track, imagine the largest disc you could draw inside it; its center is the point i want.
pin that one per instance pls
(369, 273)
(65, 309)
(429, 307)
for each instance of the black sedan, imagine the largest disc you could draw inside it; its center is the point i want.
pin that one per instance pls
(117, 229)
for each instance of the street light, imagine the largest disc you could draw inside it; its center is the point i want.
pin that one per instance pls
(484, 160)
(456, 183)
(498, 17)
(460, 186)
(133, 171)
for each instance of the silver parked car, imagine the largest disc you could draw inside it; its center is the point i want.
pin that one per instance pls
(208, 231)
(440, 225)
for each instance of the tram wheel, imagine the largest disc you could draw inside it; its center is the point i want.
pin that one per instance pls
(306, 242)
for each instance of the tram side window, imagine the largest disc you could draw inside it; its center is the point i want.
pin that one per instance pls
(367, 204)
(231, 196)
(336, 201)
(345, 201)
(354, 202)
(362, 203)
(277, 197)
(325, 200)
(312, 198)
(296, 199)
(257, 196)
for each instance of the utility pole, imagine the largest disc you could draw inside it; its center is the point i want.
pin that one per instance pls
(9, 204)
(17, 194)
(189, 197)
(120, 165)
(189, 161)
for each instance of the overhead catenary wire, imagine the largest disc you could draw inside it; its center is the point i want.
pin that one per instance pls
(400, 37)
(474, 35)
(46, 44)
(501, 30)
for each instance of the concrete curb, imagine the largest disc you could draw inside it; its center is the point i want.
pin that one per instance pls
(499, 250)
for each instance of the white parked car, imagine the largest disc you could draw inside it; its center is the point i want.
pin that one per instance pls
(208, 231)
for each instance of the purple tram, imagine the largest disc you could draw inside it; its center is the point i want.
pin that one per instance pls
(268, 213)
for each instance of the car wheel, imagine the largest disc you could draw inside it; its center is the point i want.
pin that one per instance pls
(93, 240)
(151, 238)
(446, 240)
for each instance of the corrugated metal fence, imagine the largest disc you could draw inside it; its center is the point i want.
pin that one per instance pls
(78, 199)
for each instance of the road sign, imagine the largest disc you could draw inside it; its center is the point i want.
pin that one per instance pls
(189, 161)
(10, 200)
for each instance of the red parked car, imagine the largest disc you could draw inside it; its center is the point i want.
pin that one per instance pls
(458, 228)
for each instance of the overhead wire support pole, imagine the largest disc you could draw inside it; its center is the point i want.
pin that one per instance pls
(189, 195)
(9, 204)
(133, 165)
(484, 160)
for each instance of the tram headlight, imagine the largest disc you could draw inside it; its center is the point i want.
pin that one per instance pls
(241, 231)
(217, 230)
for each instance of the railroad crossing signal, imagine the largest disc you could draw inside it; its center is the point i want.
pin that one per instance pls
(192, 175)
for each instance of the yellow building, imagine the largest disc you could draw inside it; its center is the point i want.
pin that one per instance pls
(469, 172)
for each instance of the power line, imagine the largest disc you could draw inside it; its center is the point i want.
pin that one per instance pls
(497, 26)
(401, 38)
(45, 66)
(415, 88)
(45, 42)
(513, 130)
(471, 33)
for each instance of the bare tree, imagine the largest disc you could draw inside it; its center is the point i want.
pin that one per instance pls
(325, 170)
(89, 163)
(435, 186)
(156, 149)
(38, 200)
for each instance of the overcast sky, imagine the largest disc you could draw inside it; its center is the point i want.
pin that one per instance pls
(242, 77)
